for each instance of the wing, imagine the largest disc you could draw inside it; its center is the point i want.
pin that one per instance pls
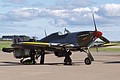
(40, 45)
(46, 46)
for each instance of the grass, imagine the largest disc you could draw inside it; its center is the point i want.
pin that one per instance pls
(108, 49)
(4, 44)
(118, 44)
(105, 49)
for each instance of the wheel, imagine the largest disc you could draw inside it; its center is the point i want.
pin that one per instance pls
(21, 61)
(87, 61)
(67, 61)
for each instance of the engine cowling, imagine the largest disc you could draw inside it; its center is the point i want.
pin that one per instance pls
(21, 53)
(61, 53)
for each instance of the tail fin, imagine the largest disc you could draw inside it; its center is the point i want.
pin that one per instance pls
(18, 39)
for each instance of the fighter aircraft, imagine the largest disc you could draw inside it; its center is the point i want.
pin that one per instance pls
(61, 44)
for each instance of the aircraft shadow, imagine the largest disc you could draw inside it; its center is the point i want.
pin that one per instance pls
(112, 62)
(61, 64)
(10, 64)
(108, 62)
(56, 64)
(77, 63)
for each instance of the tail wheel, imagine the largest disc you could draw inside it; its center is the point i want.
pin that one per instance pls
(87, 61)
(21, 61)
(28, 62)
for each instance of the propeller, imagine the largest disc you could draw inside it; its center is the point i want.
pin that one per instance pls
(104, 39)
(94, 22)
(97, 33)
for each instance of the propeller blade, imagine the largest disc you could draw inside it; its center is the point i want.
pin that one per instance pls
(94, 22)
(104, 39)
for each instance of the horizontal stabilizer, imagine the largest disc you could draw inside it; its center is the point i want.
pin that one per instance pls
(9, 50)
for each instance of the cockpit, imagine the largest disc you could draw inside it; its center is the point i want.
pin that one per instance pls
(65, 32)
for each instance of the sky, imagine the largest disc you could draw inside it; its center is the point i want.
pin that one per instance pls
(33, 17)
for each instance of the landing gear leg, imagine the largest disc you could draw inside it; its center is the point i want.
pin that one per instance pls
(67, 60)
(89, 59)
(42, 58)
(32, 56)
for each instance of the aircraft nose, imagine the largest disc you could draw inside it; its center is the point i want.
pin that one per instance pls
(97, 34)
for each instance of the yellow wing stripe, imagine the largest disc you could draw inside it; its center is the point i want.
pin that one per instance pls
(36, 43)
(110, 44)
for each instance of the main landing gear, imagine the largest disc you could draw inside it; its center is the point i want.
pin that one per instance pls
(88, 60)
(67, 60)
(33, 56)
(42, 57)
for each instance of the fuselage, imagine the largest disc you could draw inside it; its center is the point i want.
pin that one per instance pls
(81, 39)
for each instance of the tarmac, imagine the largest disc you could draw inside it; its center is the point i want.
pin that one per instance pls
(105, 67)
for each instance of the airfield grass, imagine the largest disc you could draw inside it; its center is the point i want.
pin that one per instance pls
(6, 44)
(118, 43)
(105, 49)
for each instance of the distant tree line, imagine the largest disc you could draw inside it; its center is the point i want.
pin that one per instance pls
(10, 37)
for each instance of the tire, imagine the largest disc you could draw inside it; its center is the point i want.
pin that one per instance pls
(87, 61)
(28, 62)
(21, 61)
(67, 61)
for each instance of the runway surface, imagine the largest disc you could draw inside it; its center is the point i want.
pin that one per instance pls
(105, 67)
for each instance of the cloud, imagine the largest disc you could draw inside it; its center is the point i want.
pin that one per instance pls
(68, 4)
(37, 4)
(22, 14)
(110, 10)
(2, 17)
(106, 15)
(21, 3)
(109, 14)
(77, 16)
(14, 1)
